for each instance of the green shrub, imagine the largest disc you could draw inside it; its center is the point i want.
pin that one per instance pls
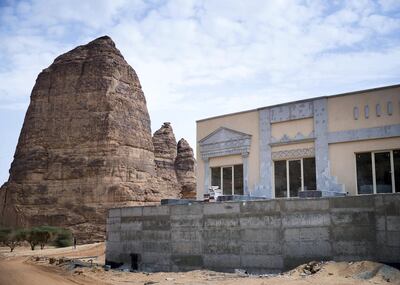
(63, 238)
(11, 237)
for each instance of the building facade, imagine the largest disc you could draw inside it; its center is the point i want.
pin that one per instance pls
(341, 144)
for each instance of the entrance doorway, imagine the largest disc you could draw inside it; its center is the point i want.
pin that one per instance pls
(294, 175)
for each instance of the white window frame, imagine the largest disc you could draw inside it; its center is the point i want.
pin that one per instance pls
(222, 178)
(374, 172)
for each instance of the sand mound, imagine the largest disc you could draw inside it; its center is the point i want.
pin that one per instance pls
(363, 270)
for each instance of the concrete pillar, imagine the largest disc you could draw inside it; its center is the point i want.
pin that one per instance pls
(245, 157)
(206, 174)
(265, 187)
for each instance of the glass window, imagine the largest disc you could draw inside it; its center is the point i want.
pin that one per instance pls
(230, 174)
(310, 182)
(383, 173)
(294, 177)
(227, 180)
(396, 167)
(238, 179)
(216, 176)
(280, 179)
(364, 173)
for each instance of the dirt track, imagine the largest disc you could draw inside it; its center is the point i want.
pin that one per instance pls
(19, 269)
(15, 268)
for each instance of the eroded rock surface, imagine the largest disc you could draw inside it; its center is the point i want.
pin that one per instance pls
(85, 145)
(185, 167)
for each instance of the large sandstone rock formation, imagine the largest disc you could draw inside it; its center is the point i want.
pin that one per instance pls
(185, 169)
(86, 145)
(165, 152)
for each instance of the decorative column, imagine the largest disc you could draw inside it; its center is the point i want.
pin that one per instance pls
(245, 158)
(265, 187)
(206, 161)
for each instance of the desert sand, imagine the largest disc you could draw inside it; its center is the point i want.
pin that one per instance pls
(33, 267)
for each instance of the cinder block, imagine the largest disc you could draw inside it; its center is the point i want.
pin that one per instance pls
(151, 267)
(131, 235)
(156, 223)
(306, 234)
(271, 235)
(113, 220)
(133, 225)
(187, 260)
(381, 238)
(184, 210)
(262, 261)
(305, 219)
(353, 233)
(380, 223)
(186, 247)
(356, 218)
(221, 234)
(156, 258)
(132, 212)
(187, 221)
(389, 254)
(156, 246)
(132, 247)
(221, 208)
(309, 249)
(151, 235)
(260, 207)
(125, 258)
(261, 248)
(221, 247)
(113, 227)
(393, 239)
(352, 202)
(393, 223)
(156, 210)
(305, 205)
(181, 268)
(186, 234)
(354, 248)
(392, 204)
(114, 236)
(221, 221)
(260, 221)
(114, 212)
(221, 261)
(113, 247)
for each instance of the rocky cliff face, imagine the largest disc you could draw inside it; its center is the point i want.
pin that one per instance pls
(175, 163)
(185, 167)
(85, 145)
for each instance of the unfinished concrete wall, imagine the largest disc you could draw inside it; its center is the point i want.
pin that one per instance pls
(258, 236)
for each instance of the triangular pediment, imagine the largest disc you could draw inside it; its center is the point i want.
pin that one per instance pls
(223, 134)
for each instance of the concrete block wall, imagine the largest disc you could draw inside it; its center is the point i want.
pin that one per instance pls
(258, 236)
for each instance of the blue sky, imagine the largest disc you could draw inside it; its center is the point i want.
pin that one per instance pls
(197, 59)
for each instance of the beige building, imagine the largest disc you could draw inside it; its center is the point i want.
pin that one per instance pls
(346, 143)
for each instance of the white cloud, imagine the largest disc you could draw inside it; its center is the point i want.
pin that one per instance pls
(206, 57)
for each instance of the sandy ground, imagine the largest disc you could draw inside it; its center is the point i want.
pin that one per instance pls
(32, 267)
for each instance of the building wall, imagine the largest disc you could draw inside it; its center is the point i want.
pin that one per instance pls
(340, 110)
(293, 146)
(323, 127)
(292, 128)
(257, 236)
(226, 160)
(246, 122)
(343, 162)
